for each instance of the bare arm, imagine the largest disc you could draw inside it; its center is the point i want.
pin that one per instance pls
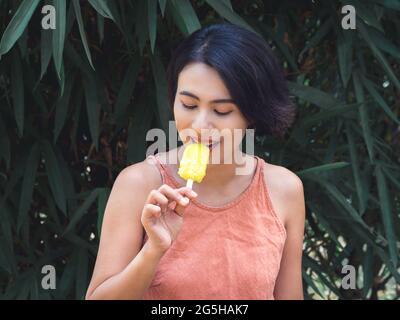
(122, 270)
(132, 282)
(289, 285)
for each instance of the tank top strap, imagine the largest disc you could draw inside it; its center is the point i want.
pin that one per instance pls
(259, 174)
(264, 193)
(162, 168)
(257, 186)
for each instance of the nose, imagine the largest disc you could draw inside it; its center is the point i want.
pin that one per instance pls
(201, 121)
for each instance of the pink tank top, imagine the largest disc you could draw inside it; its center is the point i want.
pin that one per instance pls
(222, 253)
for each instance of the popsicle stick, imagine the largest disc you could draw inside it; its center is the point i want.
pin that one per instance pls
(189, 183)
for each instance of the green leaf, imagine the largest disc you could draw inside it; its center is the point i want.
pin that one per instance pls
(14, 178)
(64, 286)
(226, 12)
(390, 4)
(319, 270)
(4, 260)
(313, 95)
(126, 91)
(100, 27)
(82, 210)
(173, 11)
(78, 14)
(162, 4)
(364, 115)
(152, 21)
(355, 169)
(102, 7)
(17, 25)
(45, 50)
(32, 88)
(23, 43)
(62, 107)
(328, 114)
(112, 5)
(368, 272)
(138, 128)
(228, 4)
(311, 283)
(392, 177)
(322, 31)
(141, 25)
(378, 54)
(61, 80)
(282, 46)
(17, 91)
(160, 78)
(54, 176)
(378, 98)
(77, 61)
(5, 151)
(188, 15)
(384, 44)
(387, 215)
(366, 14)
(81, 276)
(28, 185)
(59, 34)
(70, 19)
(345, 55)
(68, 182)
(322, 168)
(92, 109)
(34, 288)
(334, 192)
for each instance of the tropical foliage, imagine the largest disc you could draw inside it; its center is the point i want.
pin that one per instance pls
(77, 101)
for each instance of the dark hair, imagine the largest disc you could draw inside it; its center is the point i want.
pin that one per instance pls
(246, 64)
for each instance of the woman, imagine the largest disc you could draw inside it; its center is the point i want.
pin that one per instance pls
(234, 236)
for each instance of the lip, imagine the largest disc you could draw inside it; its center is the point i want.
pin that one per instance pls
(211, 145)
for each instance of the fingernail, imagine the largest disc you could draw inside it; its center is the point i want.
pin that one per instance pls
(184, 201)
(194, 194)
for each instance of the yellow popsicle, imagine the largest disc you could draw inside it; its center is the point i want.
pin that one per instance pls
(194, 163)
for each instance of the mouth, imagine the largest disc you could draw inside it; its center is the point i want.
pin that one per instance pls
(209, 144)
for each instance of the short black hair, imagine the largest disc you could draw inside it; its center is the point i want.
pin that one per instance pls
(249, 69)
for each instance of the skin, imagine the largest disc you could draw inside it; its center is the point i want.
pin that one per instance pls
(198, 87)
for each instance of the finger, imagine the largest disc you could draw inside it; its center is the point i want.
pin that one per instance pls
(180, 210)
(173, 194)
(157, 198)
(150, 211)
(188, 192)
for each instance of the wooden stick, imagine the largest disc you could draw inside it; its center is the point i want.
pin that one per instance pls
(189, 183)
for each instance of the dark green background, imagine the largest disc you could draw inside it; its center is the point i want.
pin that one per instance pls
(76, 103)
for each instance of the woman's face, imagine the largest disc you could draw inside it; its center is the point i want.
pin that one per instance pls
(205, 112)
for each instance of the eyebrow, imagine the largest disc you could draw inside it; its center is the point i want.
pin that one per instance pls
(187, 93)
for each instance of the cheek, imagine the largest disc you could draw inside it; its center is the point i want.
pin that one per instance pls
(234, 131)
(181, 122)
(178, 116)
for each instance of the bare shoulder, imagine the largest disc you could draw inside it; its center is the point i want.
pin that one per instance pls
(286, 192)
(145, 172)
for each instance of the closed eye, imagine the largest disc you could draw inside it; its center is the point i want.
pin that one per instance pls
(222, 113)
(189, 107)
(217, 112)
